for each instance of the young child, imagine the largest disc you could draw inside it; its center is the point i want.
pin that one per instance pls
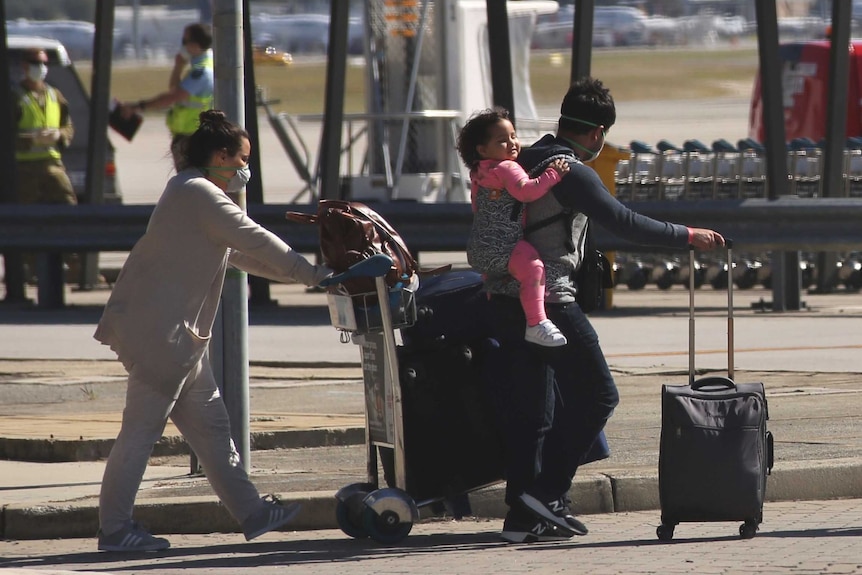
(489, 146)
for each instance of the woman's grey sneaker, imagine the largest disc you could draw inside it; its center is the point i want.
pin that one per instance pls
(545, 333)
(556, 511)
(271, 516)
(132, 537)
(521, 526)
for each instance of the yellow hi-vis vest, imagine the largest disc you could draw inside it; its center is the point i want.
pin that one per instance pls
(183, 118)
(35, 118)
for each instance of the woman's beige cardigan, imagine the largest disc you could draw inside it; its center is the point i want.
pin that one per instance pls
(161, 310)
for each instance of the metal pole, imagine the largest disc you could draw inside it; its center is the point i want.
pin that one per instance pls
(776, 153)
(100, 90)
(582, 47)
(333, 111)
(411, 94)
(501, 55)
(228, 55)
(136, 28)
(836, 130)
(13, 263)
(260, 293)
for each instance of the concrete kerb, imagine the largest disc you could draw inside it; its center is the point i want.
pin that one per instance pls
(621, 491)
(58, 450)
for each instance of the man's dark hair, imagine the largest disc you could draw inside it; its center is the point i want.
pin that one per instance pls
(589, 101)
(200, 34)
(475, 133)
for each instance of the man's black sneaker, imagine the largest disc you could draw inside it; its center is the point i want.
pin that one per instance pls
(555, 511)
(521, 526)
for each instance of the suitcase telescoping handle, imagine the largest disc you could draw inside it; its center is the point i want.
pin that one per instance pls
(730, 343)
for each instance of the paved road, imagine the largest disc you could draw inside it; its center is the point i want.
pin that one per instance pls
(799, 538)
(647, 329)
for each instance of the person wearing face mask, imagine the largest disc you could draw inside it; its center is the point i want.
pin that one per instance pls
(550, 428)
(159, 318)
(187, 95)
(44, 131)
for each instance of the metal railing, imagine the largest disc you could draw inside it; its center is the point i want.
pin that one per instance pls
(786, 224)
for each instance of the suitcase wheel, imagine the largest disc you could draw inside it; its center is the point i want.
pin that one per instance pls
(664, 532)
(748, 529)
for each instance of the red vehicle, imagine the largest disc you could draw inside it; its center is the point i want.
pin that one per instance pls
(805, 81)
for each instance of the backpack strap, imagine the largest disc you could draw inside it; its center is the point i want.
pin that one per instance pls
(567, 214)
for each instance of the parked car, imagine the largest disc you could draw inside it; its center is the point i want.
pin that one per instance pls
(303, 33)
(612, 26)
(556, 35)
(627, 25)
(62, 75)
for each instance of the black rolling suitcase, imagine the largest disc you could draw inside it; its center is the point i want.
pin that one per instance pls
(453, 444)
(451, 440)
(715, 451)
(450, 308)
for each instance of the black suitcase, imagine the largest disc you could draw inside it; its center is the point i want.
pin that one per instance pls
(450, 307)
(452, 440)
(715, 451)
(452, 443)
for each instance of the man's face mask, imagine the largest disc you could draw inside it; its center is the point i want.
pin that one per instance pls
(593, 154)
(37, 72)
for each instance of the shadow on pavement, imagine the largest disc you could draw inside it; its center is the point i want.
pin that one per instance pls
(248, 555)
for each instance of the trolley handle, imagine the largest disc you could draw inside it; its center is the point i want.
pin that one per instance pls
(376, 266)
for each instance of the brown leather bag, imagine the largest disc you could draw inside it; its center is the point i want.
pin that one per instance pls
(351, 232)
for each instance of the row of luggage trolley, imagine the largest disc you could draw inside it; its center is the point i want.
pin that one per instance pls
(695, 171)
(724, 171)
(750, 271)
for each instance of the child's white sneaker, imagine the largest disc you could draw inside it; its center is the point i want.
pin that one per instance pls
(545, 333)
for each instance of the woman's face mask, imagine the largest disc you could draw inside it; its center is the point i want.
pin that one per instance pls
(235, 183)
(37, 72)
(239, 180)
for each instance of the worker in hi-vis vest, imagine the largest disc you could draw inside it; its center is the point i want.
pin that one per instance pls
(187, 95)
(44, 131)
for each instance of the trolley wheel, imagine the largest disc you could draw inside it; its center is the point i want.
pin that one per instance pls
(748, 530)
(665, 281)
(386, 527)
(637, 280)
(348, 515)
(664, 532)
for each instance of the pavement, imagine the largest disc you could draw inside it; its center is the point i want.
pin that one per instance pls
(60, 410)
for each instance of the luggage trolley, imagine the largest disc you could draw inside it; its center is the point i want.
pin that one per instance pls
(365, 509)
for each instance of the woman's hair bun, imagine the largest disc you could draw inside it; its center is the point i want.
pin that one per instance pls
(213, 117)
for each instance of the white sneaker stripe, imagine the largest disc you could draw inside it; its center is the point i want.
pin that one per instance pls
(130, 540)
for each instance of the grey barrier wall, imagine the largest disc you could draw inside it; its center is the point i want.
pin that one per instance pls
(789, 223)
